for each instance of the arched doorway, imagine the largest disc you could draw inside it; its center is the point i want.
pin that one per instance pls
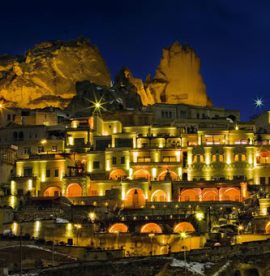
(183, 227)
(209, 194)
(267, 228)
(118, 228)
(141, 174)
(167, 175)
(74, 190)
(151, 228)
(135, 198)
(190, 195)
(117, 174)
(231, 194)
(52, 192)
(159, 195)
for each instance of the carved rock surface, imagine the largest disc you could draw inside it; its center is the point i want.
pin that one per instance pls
(47, 74)
(178, 79)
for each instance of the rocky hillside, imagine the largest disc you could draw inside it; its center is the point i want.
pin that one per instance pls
(47, 74)
(177, 79)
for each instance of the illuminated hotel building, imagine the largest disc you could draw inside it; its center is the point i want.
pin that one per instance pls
(203, 156)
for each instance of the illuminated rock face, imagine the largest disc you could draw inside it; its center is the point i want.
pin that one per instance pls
(47, 74)
(178, 79)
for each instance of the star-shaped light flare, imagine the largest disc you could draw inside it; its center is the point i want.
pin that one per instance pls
(258, 102)
(98, 105)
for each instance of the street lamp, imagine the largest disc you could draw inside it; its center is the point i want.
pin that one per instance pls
(199, 216)
(151, 236)
(184, 235)
(77, 227)
(92, 216)
(117, 239)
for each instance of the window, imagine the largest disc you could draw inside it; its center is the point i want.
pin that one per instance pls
(54, 148)
(21, 136)
(40, 149)
(28, 171)
(8, 117)
(48, 173)
(94, 192)
(262, 180)
(114, 160)
(96, 164)
(123, 160)
(27, 150)
(56, 173)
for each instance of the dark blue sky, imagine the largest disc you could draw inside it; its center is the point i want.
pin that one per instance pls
(232, 38)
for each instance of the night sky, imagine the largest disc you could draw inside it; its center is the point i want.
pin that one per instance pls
(232, 38)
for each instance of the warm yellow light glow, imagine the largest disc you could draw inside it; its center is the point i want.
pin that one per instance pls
(97, 105)
(74, 124)
(183, 235)
(14, 228)
(179, 170)
(92, 216)
(177, 153)
(13, 187)
(43, 141)
(135, 156)
(199, 216)
(108, 165)
(240, 227)
(154, 172)
(69, 230)
(130, 172)
(30, 185)
(12, 201)
(37, 227)
(70, 141)
(78, 226)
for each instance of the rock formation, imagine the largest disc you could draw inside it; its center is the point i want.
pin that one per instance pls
(47, 74)
(129, 88)
(178, 79)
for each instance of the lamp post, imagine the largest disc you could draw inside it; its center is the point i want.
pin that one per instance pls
(151, 236)
(77, 227)
(117, 239)
(92, 217)
(183, 235)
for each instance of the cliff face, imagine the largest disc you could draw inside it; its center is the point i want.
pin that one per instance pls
(47, 74)
(178, 79)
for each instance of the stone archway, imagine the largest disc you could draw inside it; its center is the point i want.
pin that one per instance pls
(74, 190)
(141, 174)
(210, 194)
(190, 195)
(135, 198)
(118, 228)
(52, 192)
(167, 175)
(151, 228)
(267, 228)
(183, 227)
(117, 174)
(230, 194)
(159, 196)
